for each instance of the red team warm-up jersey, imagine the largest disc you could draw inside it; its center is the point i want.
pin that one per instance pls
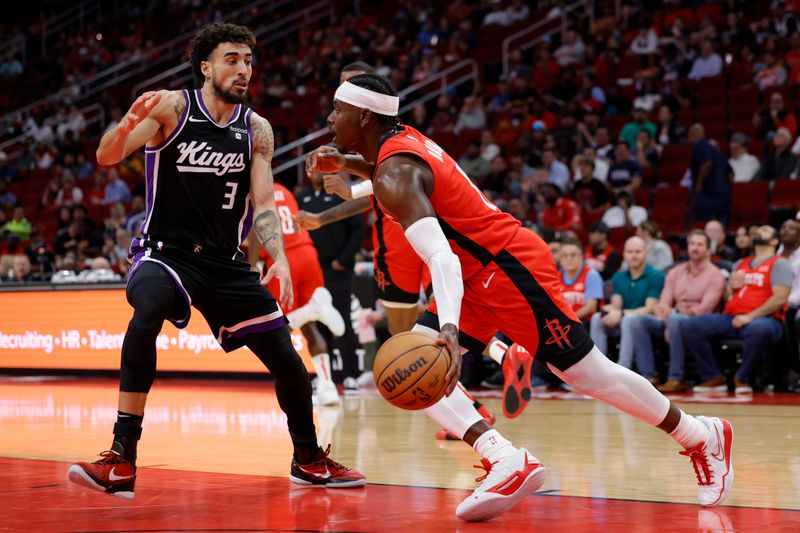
(510, 279)
(757, 288)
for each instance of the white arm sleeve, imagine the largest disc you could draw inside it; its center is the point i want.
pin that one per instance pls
(428, 240)
(362, 189)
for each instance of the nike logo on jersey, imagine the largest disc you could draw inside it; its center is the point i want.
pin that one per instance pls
(486, 283)
(201, 158)
(113, 477)
(192, 119)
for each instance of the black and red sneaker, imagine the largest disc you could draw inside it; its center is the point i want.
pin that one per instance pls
(517, 365)
(112, 474)
(325, 472)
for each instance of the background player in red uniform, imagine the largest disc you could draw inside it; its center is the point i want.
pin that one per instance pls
(312, 301)
(487, 274)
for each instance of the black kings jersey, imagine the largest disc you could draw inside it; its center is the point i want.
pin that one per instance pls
(198, 179)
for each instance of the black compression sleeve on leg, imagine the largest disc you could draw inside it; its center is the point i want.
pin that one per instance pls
(151, 293)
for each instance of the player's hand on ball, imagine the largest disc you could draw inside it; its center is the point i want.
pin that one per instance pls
(449, 337)
(307, 221)
(139, 110)
(280, 270)
(324, 159)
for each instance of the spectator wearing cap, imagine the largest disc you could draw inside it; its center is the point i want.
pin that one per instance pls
(561, 213)
(759, 289)
(558, 173)
(638, 122)
(624, 173)
(710, 194)
(600, 255)
(472, 163)
(625, 213)
(768, 120)
(744, 164)
(779, 163)
(708, 64)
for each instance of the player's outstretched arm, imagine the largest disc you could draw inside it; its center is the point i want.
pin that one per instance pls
(266, 223)
(140, 124)
(402, 185)
(312, 221)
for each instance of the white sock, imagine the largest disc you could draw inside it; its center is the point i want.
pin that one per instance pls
(492, 446)
(497, 350)
(322, 364)
(690, 431)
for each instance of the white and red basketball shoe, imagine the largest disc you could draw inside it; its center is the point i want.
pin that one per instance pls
(506, 483)
(112, 474)
(712, 462)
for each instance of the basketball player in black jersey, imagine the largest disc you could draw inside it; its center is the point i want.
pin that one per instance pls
(209, 180)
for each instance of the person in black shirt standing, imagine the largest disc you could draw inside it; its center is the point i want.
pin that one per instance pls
(337, 244)
(209, 180)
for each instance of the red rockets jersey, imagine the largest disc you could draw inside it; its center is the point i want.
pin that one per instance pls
(756, 290)
(575, 293)
(476, 229)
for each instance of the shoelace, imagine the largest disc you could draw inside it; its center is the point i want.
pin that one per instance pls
(330, 463)
(485, 465)
(699, 461)
(110, 458)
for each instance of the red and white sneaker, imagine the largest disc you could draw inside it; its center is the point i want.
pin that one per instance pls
(325, 472)
(487, 415)
(506, 483)
(712, 462)
(517, 365)
(112, 474)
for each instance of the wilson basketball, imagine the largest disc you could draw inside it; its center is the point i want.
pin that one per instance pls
(409, 370)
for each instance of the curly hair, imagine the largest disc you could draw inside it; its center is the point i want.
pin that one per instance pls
(210, 37)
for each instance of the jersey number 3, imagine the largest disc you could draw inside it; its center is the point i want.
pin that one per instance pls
(230, 196)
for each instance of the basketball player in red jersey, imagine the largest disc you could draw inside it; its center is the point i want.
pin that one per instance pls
(487, 274)
(312, 301)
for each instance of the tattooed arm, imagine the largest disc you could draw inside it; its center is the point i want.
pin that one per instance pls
(151, 119)
(266, 224)
(312, 221)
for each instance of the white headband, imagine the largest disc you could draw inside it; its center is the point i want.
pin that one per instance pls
(382, 104)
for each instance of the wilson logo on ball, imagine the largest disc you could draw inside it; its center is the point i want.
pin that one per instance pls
(401, 374)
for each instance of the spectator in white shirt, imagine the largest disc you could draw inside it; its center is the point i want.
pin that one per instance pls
(708, 64)
(572, 51)
(745, 165)
(497, 16)
(625, 213)
(518, 11)
(645, 42)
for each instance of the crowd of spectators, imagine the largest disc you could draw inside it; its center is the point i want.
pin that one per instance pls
(566, 139)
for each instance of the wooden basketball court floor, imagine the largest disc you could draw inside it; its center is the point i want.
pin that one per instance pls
(214, 457)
